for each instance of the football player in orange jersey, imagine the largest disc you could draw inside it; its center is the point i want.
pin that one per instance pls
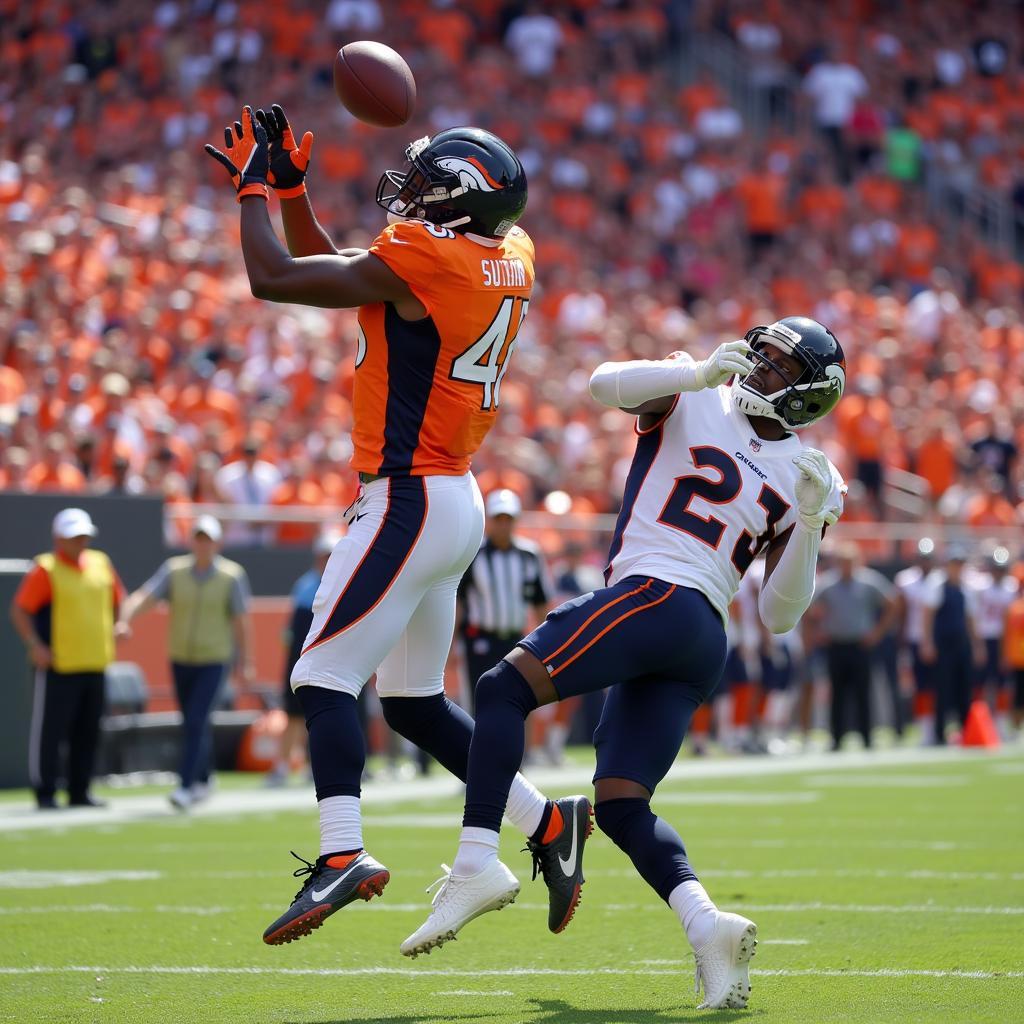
(442, 293)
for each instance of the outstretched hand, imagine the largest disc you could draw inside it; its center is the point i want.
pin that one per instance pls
(814, 490)
(247, 159)
(288, 161)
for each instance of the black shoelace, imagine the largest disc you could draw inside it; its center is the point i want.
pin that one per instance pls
(311, 869)
(540, 858)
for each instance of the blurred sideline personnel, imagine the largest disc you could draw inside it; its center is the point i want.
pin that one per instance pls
(442, 293)
(293, 739)
(853, 609)
(913, 585)
(1013, 655)
(208, 602)
(950, 643)
(504, 594)
(504, 587)
(64, 610)
(992, 592)
(718, 476)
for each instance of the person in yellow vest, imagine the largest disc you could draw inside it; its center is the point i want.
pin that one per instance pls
(64, 610)
(208, 598)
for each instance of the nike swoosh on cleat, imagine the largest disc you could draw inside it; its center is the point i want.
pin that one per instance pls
(569, 866)
(319, 894)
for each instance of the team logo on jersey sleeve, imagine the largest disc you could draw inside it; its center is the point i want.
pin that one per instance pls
(471, 173)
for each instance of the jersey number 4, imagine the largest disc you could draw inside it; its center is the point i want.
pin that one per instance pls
(677, 514)
(487, 359)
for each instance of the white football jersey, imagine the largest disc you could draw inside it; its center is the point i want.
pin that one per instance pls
(915, 585)
(703, 496)
(989, 602)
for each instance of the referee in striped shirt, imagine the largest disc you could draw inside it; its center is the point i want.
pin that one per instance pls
(504, 593)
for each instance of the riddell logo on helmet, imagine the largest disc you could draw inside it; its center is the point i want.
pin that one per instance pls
(471, 173)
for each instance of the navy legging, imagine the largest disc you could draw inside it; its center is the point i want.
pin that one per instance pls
(196, 687)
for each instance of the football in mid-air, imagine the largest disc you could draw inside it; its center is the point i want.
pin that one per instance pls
(374, 83)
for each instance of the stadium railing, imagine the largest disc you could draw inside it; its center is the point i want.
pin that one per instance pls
(886, 540)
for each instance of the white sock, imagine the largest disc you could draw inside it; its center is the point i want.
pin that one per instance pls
(525, 805)
(693, 906)
(341, 824)
(477, 848)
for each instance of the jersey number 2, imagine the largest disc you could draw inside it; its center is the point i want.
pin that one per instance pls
(677, 514)
(486, 360)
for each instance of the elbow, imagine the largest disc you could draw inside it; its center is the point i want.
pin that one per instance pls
(777, 623)
(602, 386)
(260, 287)
(780, 616)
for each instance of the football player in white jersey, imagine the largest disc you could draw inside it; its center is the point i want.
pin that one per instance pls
(719, 474)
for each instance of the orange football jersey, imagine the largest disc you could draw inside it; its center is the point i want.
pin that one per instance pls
(426, 391)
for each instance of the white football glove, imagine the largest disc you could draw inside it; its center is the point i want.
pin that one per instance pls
(815, 502)
(728, 359)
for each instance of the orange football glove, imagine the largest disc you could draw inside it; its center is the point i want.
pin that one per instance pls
(248, 156)
(288, 162)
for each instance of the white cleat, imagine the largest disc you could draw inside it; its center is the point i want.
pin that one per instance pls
(723, 964)
(458, 901)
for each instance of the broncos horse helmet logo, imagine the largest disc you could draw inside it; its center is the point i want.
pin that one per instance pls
(471, 173)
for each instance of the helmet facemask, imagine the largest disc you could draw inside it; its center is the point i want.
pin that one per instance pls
(802, 401)
(412, 195)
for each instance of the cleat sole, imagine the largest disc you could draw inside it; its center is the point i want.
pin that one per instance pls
(373, 886)
(449, 936)
(300, 927)
(307, 923)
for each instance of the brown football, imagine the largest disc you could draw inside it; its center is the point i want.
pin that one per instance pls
(374, 83)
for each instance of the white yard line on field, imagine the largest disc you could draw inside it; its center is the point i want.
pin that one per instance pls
(603, 908)
(126, 808)
(61, 879)
(511, 972)
(877, 780)
(472, 992)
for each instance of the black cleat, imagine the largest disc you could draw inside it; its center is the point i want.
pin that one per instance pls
(326, 890)
(561, 860)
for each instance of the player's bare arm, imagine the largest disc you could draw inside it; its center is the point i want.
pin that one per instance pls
(327, 280)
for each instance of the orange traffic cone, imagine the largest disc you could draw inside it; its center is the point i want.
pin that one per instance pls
(980, 730)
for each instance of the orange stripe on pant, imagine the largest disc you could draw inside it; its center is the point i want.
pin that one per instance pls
(611, 604)
(622, 618)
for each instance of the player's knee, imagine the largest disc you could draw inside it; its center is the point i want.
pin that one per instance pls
(617, 818)
(504, 686)
(410, 714)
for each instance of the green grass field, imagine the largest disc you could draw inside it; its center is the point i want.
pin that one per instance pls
(885, 890)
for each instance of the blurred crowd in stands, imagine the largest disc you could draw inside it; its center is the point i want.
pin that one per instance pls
(133, 358)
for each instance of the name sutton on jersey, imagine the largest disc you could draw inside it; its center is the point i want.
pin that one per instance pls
(503, 273)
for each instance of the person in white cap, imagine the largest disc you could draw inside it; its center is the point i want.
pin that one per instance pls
(208, 597)
(505, 591)
(64, 610)
(293, 739)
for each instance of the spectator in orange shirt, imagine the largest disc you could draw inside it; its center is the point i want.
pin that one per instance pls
(990, 508)
(299, 489)
(55, 472)
(935, 460)
(865, 422)
(762, 194)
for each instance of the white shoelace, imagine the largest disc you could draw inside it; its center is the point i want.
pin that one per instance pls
(443, 882)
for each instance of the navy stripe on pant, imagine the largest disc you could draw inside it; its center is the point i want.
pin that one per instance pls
(196, 687)
(396, 537)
